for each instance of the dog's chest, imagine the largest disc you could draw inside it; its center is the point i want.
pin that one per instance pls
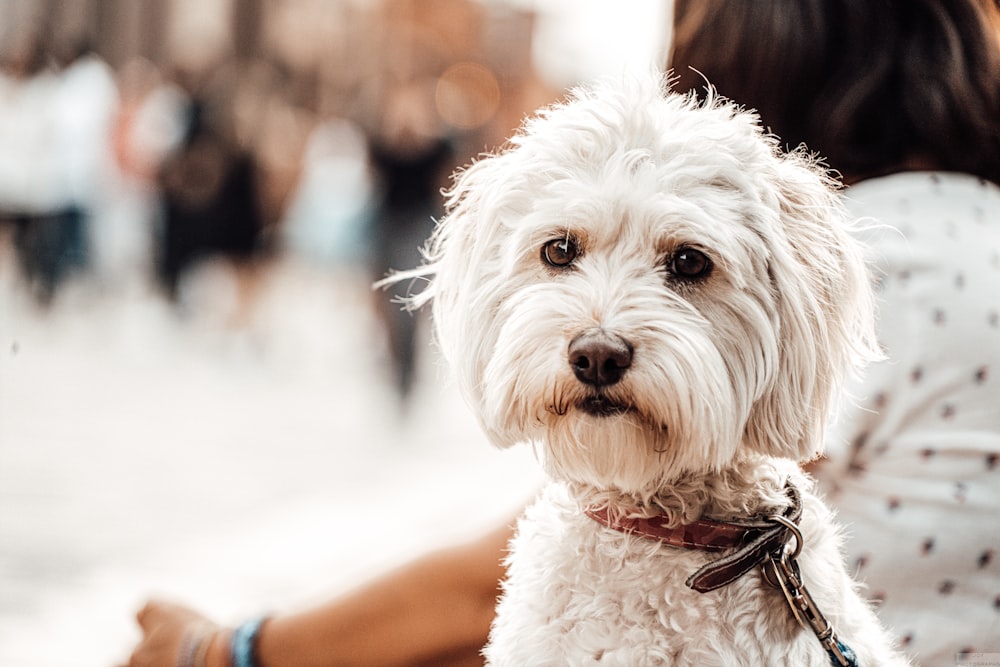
(582, 594)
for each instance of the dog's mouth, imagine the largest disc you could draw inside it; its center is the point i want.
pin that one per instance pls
(599, 405)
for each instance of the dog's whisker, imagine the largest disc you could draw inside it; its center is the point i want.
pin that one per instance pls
(557, 404)
(558, 410)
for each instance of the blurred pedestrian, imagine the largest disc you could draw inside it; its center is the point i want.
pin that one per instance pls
(209, 188)
(37, 197)
(149, 125)
(84, 108)
(411, 155)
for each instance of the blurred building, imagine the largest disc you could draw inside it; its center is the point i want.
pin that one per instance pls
(331, 47)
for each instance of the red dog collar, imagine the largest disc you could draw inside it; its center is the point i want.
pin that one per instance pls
(750, 541)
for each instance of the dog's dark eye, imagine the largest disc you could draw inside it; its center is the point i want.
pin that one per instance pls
(690, 264)
(560, 253)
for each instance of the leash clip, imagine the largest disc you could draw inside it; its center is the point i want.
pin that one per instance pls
(781, 570)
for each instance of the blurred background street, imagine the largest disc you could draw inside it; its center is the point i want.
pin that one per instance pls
(236, 471)
(201, 397)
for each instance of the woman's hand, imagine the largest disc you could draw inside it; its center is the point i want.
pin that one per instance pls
(171, 636)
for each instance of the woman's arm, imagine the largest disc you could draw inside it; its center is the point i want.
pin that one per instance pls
(435, 610)
(437, 607)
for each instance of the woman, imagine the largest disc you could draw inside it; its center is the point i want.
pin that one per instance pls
(902, 97)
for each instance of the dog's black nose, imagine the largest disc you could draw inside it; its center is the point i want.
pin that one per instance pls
(599, 358)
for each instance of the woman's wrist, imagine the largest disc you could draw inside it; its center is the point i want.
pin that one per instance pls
(218, 654)
(204, 645)
(243, 643)
(221, 647)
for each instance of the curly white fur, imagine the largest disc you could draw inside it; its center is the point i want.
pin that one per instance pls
(731, 376)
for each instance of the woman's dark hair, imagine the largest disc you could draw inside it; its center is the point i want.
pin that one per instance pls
(874, 86)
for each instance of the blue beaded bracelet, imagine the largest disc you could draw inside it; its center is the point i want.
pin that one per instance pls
(244, 644)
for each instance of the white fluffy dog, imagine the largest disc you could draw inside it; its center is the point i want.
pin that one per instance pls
(645, 288)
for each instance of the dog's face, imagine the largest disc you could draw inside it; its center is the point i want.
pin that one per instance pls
(644, 287)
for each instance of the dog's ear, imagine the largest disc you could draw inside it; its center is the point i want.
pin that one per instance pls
(825, 310)
(464, 266)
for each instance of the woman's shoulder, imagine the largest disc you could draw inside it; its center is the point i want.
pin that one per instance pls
(904, 189)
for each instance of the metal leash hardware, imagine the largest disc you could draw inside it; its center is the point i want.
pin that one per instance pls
(781, 570)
